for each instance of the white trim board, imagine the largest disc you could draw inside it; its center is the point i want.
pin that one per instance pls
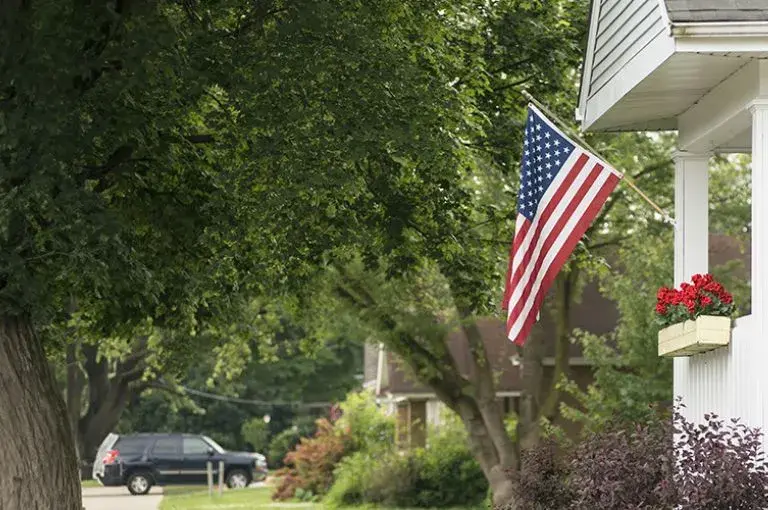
(589, 60)
(402, 397)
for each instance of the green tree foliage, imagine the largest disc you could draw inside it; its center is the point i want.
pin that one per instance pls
(629, 375)
(280, 374)
(255, 433)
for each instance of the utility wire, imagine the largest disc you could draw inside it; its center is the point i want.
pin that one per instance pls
(183, 390)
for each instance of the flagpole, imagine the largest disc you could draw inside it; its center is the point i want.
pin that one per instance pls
(578, 138)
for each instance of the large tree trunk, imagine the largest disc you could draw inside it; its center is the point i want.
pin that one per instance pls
(94, 427)
(482, 443)
(565, 289)
(75, 385)
(109, 391)
(491, 417)
(39, 467)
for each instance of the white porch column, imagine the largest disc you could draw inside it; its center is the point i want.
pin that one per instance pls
(759, 109)
(691, 237)
(759, 319)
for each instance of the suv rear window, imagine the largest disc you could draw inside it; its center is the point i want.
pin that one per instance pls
(131, 445)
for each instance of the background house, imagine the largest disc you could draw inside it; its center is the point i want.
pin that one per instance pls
(416, 405)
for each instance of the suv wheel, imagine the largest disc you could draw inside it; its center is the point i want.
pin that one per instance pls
(238, 479)
(139, 484)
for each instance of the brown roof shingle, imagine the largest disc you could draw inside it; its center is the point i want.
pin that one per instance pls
(691, 11)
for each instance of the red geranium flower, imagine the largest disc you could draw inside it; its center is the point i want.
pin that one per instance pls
(704, 296)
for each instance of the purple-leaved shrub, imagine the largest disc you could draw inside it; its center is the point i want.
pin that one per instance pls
(660, 465)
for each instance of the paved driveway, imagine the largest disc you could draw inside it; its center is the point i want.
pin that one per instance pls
(118, 498)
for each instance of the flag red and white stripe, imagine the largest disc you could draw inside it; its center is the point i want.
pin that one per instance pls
(563, 187)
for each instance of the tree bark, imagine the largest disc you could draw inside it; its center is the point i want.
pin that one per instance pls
(528, 429)
(485, 394)
(75, 386)
(491, 415)
(39, 468)
(564, 296)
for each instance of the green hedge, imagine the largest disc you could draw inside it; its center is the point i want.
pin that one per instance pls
(443, 475)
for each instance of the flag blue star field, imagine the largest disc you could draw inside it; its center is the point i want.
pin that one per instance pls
(562, 189)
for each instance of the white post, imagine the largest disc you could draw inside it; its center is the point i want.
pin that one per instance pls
(209, 470)
(221, 477)
(759, 319)
(691, 240)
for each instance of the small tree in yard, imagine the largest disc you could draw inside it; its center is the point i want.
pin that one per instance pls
(309, 468)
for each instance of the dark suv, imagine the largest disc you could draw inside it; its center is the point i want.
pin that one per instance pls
(142, 460)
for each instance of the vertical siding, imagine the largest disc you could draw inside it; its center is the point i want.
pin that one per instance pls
(624, 28)
(726, 381)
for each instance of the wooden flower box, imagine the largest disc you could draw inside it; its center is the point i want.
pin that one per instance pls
(687, 338)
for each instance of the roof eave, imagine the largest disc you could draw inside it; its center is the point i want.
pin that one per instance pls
(720, 29)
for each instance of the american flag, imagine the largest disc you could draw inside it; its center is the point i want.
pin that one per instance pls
(562, 188)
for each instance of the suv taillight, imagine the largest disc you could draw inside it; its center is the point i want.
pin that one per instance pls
(111, 457)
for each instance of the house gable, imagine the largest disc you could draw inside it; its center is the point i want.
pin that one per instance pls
(628, 39)
(623, 29)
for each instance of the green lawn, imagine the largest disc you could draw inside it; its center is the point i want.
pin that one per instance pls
(182, 498)
(90, 483)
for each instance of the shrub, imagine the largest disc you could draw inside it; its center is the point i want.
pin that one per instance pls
(709, 466)
(448, 473)
(280, 445)
(310, 466)
(256, 433)
(624, 469)
(352, 478)
(369, 427)
(542, 481)
(720, 466)
(371, 478)
(444, 474)
(285, 441)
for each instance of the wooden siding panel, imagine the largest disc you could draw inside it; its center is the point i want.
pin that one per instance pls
(624, 28)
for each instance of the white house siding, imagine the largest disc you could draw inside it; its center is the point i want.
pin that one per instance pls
(624, 29)
(726, 381)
